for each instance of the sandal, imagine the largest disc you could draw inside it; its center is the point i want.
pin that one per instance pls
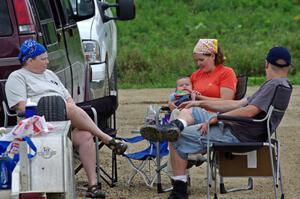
(117, 146)
(94, 192)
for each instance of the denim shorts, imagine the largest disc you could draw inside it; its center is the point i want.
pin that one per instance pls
(191, 141)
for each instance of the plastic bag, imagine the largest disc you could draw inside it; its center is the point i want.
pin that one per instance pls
(32, 126)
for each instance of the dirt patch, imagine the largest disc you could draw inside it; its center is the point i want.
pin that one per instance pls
(132, 107)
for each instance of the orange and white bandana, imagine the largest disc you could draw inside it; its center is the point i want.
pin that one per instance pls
(206, 46)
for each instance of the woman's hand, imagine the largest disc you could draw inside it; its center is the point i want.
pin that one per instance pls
(195, 95)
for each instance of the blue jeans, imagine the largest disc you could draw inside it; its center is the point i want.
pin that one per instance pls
(191, 141)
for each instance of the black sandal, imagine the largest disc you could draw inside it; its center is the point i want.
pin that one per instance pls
(94, 192)
(118, 146)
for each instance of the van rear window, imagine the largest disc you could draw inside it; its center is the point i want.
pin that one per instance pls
(5, 23)
(47, 21)
(43, 9)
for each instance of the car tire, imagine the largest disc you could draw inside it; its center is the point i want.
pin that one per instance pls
(53, 108)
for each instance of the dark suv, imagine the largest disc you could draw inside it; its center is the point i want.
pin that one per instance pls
(53, 23)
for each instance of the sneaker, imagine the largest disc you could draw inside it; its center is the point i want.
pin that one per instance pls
(169, 132)
(179, 190)
(117, 146)
(151, 132)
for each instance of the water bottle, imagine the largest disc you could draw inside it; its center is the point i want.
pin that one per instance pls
(5, 177)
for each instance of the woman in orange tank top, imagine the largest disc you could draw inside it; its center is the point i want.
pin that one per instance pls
(212, 80)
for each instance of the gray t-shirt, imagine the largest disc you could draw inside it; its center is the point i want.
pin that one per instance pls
(262, 98)
(23, 84)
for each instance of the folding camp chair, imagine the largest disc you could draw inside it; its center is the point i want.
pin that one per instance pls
(255, 159)
(147, 155)
(52, 107)
(150, 156)
(102, 111)
(7, 113)
(241, 87)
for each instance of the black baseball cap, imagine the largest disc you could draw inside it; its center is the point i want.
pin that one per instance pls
(279, 56)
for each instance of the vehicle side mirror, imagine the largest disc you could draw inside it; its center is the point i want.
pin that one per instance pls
(125, 10)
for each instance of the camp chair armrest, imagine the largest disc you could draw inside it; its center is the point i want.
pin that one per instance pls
(234, 118)
(85, 107)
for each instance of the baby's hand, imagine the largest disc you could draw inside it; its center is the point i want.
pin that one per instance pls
(172, 105)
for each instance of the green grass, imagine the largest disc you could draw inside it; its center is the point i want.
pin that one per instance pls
(156, 47)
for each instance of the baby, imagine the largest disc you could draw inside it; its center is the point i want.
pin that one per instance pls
(183, 92)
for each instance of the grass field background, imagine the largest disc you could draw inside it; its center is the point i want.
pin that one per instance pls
(156, 47)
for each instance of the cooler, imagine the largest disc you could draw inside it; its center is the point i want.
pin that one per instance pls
(51, 170)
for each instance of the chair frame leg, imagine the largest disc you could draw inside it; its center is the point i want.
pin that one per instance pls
(97, 161)
(208, 171)
(138, 169)
(223, 189)
(159, 168)
(276, 171)
(109, 179)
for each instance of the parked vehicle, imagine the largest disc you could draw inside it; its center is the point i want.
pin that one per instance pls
(54, 23)
(99, 40)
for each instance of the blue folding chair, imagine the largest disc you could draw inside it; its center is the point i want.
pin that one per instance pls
(151, 155)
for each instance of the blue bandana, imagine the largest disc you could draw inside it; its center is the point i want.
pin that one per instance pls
(30, 49)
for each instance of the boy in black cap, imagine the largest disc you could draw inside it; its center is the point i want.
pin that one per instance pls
(279, 56)
(191, 124)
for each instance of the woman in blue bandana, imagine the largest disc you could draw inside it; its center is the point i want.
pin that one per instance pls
(34, 81)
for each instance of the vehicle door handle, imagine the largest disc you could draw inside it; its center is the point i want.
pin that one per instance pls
(70, 31)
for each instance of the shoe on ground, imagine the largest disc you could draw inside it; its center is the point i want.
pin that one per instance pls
(94, 192)
(117, 146)
(179, 190)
